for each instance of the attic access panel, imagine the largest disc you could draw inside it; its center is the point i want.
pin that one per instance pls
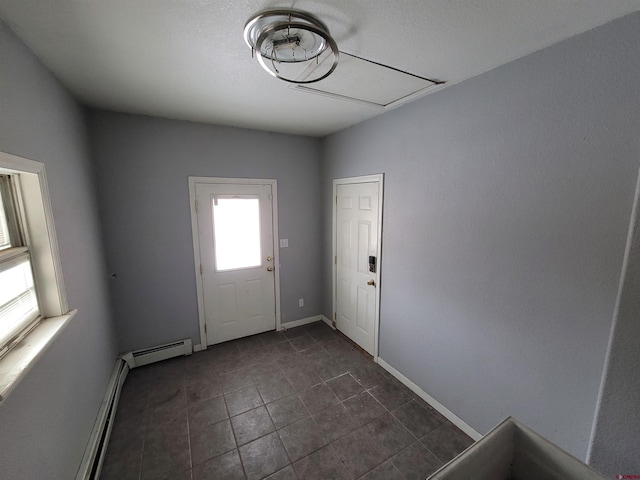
(364, 81)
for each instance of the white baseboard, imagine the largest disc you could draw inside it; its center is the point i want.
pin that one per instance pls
(448, 414)
(328, 322)
(197, 348)
(99, 438)
(299, 323)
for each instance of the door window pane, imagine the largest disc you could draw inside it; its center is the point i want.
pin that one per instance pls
(236, 226)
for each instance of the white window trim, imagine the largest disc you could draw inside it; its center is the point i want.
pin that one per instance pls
(35, 209)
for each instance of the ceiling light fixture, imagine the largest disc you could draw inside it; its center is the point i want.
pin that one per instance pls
(288, 41)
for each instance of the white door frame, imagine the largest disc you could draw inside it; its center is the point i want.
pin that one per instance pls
(196, 241)
(379, 178)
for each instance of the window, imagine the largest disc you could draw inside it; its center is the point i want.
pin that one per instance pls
(33, 304)
(236, 226)
(19, 311)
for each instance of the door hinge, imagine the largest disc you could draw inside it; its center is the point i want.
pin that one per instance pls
(196, 205)
(205, 328)
(334, 316)
(336, 199)
(335, 260)
(200, 269)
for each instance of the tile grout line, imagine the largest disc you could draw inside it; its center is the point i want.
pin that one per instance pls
(332, 348)
(186, 407)
(144, 435)
(264, 404)
(235, 439)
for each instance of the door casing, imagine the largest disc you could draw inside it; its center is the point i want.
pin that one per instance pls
(379, 178)
(196, 242)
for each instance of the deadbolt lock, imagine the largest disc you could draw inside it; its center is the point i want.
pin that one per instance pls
(269, 258)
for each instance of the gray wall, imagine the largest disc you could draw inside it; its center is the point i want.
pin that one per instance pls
(615, 447)
(45, 423)
(142, 166)
(506, 209)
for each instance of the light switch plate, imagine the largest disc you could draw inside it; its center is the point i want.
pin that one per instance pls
(284, 242)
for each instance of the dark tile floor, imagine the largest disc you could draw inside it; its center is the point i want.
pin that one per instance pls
(300, 404)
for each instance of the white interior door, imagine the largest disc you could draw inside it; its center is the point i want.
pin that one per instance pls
(357, 251)
(235, 241)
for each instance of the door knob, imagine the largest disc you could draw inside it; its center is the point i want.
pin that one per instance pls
(269, 258)
(269, 269)
(371, 282)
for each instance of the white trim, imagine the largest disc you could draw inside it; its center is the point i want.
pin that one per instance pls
(379, 178)
(448, 414)
(35, 208)
(19, 360)
(276, 247)
(196, 256)
(196, 241)
(99, 438)
(299, 323)
(197, 348)
(328, 322)
(629, 247)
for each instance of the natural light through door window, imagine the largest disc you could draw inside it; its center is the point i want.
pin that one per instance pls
(236, 226)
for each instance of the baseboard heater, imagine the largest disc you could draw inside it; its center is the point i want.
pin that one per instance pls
(159, 353)
(91, 464)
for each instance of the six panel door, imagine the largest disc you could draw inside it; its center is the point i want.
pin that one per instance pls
(356, 241)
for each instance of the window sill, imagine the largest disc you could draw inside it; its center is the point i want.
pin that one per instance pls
(16, 364)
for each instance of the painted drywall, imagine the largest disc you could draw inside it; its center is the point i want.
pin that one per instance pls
(506, 209)
(616, 436)
(142, 165)
(45, 423)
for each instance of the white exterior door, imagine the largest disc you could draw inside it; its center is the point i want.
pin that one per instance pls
(236, 253)
(357, 252)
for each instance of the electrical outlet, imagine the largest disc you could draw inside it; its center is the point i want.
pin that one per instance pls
(301, 302)
(284, 242)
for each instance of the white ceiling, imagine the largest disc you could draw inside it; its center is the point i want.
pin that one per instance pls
(186, 59)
